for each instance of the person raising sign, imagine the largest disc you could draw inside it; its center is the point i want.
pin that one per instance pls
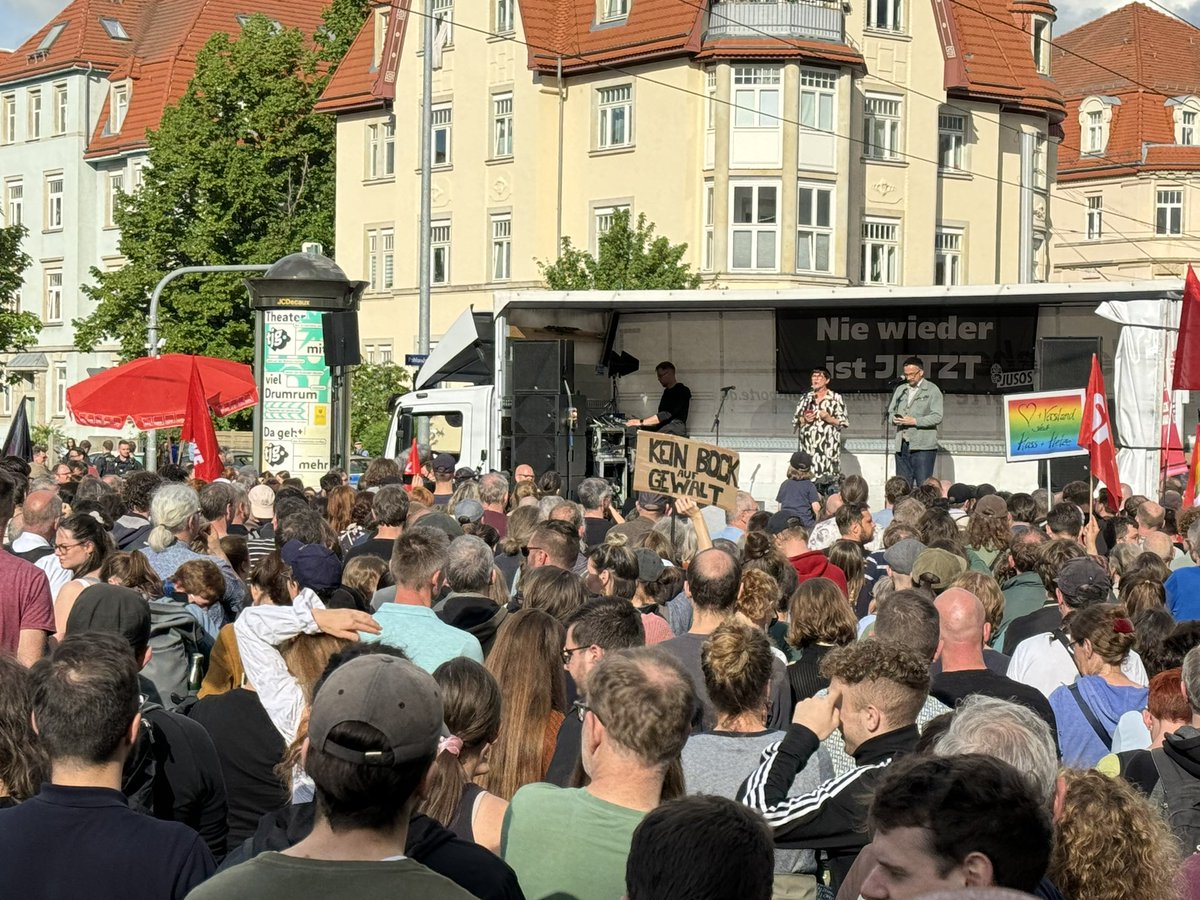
(820, 419)
(672, 414)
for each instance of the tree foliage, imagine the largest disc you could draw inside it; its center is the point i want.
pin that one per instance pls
(629, 258)
(371, 386)
(18, 330)
(240, 171)
(341, 22)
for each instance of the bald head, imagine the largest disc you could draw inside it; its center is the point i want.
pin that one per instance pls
(713, 579)
(833, 504)
(41, 511)
(1150, 517)
(1159, 544)
(961, 617)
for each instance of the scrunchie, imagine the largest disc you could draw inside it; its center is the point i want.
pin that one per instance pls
(1122, 626)
(450, 744)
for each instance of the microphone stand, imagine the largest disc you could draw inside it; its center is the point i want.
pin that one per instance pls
(887, 428)
(716, 426)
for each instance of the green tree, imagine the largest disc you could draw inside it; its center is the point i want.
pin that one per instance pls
(240, 171)
(629, 258)
(342, 20)
(371, 386)
(18, 329)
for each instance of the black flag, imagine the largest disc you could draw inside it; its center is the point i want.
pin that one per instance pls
(18, 441)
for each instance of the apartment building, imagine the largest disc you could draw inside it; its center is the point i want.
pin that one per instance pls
(1127, 195)
(890, 142)
(76, 100)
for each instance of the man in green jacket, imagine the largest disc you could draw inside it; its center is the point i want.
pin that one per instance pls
(1024, 591)
(916, 411)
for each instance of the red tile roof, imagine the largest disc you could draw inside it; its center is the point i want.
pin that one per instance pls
(354, 80)
(773, 48)
(1141, 58)
(83, 40)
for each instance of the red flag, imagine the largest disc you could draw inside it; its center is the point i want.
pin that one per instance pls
(413, 466)
(1189, 497)
(198, 429)
(1095, 435)
(1171, 461)
(1187, 350)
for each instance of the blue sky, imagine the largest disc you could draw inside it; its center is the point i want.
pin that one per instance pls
(21, 18)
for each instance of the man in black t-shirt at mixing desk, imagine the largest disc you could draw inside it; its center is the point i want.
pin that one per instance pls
(672, 414)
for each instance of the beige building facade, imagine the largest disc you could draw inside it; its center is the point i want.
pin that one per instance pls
(756, 133)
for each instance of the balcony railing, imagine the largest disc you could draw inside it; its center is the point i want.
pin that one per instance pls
(816, 20)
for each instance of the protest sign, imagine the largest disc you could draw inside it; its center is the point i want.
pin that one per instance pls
(665, 464)
(1042, 425)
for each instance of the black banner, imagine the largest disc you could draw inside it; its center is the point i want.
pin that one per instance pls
(973, 350)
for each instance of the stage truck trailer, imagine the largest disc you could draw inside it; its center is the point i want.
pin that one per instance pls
(544, 377)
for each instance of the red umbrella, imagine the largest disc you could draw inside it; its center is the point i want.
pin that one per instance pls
(153, 391)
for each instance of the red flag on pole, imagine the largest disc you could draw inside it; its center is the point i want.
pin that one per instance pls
(413, 466)
(1187, 349)
(198, 429)
(1189, 497)
(1095, 436)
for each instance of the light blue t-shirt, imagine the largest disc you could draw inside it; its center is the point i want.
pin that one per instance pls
(426, 639)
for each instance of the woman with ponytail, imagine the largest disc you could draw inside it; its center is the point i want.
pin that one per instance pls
(471, 706)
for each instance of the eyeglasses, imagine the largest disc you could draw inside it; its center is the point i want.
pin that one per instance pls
(525, 551)
(581, 709)
(63, 548)
(568, 652)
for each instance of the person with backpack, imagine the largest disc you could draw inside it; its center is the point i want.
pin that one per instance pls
(172, 771)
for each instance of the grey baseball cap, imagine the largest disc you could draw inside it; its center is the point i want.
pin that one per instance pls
(650, 564)
(902, 554)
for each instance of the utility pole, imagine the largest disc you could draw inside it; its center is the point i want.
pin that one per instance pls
(426, 263)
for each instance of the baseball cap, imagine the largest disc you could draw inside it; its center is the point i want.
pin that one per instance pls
(394, 696)
(992, 507)
(652, 501)
(442, 522)
(801, 460)
(901, 556)
(468, 510)
(1081, 577)
(464, 473)
(943, 565)
(112, 609)
(960, 493)
(313, 566)
(262, 501)
(650, 564)
(444, 462)
(780, 521)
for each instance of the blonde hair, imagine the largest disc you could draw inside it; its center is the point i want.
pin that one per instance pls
(171, 507)
(758, 599)
(363, 573)
(736, 661)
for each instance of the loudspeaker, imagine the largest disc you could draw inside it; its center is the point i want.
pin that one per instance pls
(541, 365)
(340, 331)
(1066, 364)
(537, 413)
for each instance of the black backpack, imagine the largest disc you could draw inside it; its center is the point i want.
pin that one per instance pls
(1177, 798)
(175, 635)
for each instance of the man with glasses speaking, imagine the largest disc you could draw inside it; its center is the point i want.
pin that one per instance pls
(916, 413)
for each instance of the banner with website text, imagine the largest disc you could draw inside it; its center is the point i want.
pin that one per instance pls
(972, 350)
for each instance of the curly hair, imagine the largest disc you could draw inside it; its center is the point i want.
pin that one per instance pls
(1108, 838)
(736, 661)
(759, 597)
(1050, 560)
(988, 533)
(819, 614)
(889, 675)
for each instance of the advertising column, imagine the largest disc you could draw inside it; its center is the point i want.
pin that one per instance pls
(296, 395)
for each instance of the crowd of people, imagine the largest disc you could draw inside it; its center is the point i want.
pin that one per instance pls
(470, 684)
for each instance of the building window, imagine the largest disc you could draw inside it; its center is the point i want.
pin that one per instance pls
(116, 187)
(818, 95)
(60, 109)
(1095, 132)
(710, 100)
(1041, 45)
(120, 106)
(138, 173)
(54, 295)
(614, 116)
(54, 202)
(885, 15)
(502, 125)
(602, 221)
(1168, 211)
(754, 227)
(1041, 178)
(443, 122)
(8, 118)
(952, 138)
(814, 228)
(381, 259)
(613, 9)
(947, 256)
(51, 36)
(115, 29)
(501, 247)
(439, 252)
(706, 264)
(882, 126)
(504, 16)
(14, 202)
(385, 353)
(60, 389)
(1095, 217)
(881, 251)
(756, 96)
(381, 149)
(1039, 256)
(35, 115)
(1187, 127)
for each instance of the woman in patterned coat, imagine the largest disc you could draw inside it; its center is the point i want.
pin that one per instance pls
(820, 418)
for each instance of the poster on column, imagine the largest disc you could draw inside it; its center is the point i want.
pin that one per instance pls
(296, 395)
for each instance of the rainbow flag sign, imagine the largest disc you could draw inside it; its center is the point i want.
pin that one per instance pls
(1043, 425)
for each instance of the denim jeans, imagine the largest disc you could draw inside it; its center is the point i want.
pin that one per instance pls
(914, 465)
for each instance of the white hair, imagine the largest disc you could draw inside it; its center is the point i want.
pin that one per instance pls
(170, 509)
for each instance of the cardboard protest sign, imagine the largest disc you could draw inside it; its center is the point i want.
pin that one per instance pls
(675, 466)
(1043, 425)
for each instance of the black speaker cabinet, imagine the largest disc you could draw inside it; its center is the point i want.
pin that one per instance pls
(538, 413)
(340, 331)
(541, 365)
(1066, 364)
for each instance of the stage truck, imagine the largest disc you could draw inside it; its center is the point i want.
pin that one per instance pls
(548, 378)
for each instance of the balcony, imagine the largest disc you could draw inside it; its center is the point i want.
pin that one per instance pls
(814, 20)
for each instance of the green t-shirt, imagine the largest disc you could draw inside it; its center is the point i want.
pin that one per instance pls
(565, 844)
(273, 876)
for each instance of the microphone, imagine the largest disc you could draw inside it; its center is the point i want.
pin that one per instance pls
(730, 387)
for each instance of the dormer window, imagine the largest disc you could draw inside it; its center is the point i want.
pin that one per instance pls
(613, 10)
(1186, 117)
(118, 106)
(381, 30)
(1095, 114)
(51, 37)
(115, 29)
(1041, 44)
(243, 19)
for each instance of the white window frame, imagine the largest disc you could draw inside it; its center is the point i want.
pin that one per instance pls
(444, 10)
(1040, 41)
(756, 227)
(443, 125)
(385, 353)
(60, 390)
(885, 15)
(1186, 120)
(1041, 162)
(1040, 263)
(1187, 127)
(439, 251)
(137, 175)
(61, 109)
(8, 118)
(34, 115)
(612, 99)
(810, 232)
(504, 19)
(381, 149)
(381, 258)
(952, 140)
(880, 240)
(118, 108)
(1095, 131)
(708, 252)
(818, 101)
(883, 116)
(53, 295)
(1168, 211)
(1095, 217)
(710, 100)
(114, 184)
(751, 86)
(502, 125)
(602, 220)
(14, 201)
(949, 255)
(501, 256)
(55, 210)
(613, 10)
(115, 29)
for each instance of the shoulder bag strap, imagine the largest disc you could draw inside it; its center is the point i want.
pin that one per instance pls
(1105, 737)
